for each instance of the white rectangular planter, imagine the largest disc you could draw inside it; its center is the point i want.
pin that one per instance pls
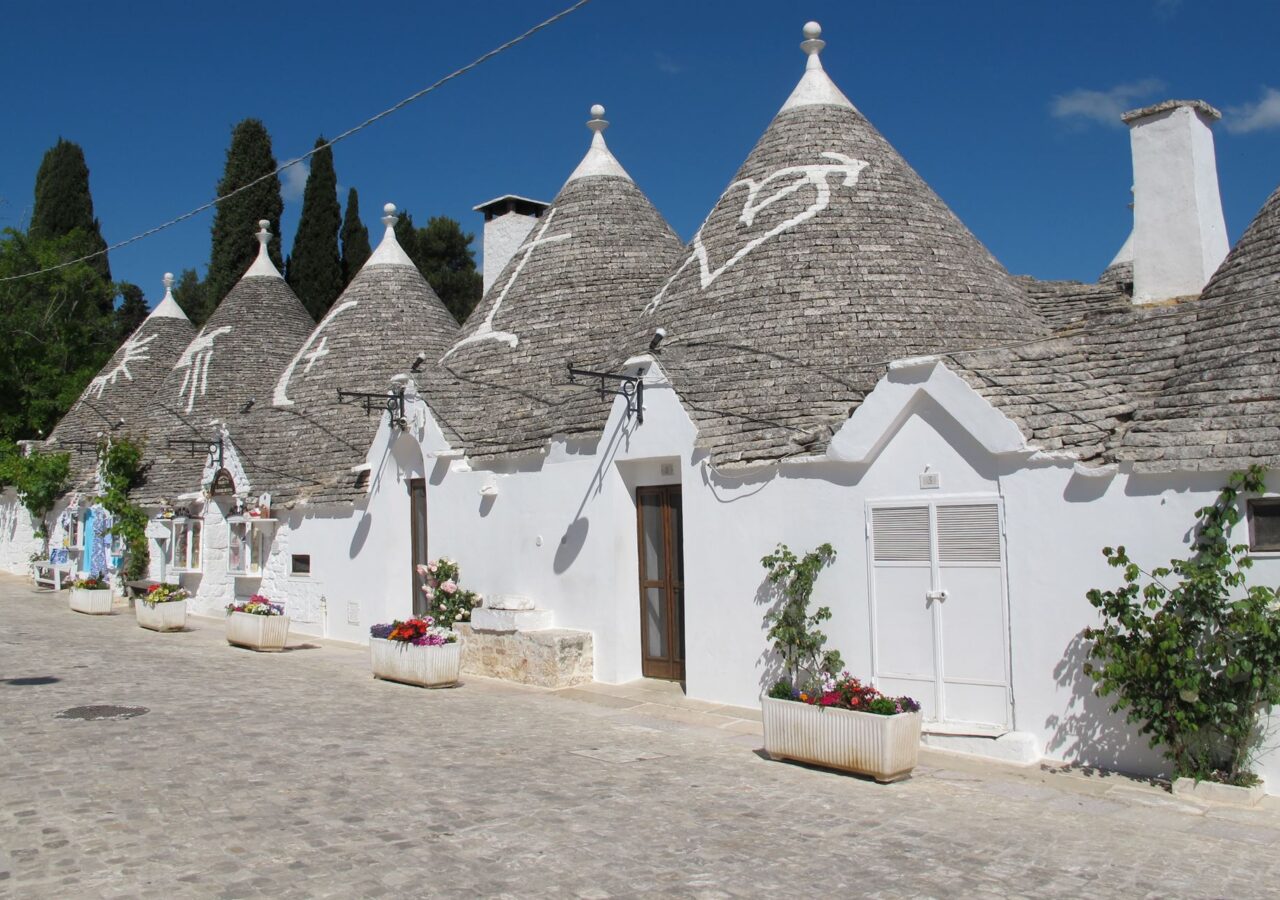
(93, 603)
(1212, 792)
(171, 616)
(884, 747)
(257, 632)
(425, 666)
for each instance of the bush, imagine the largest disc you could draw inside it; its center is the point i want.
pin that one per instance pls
(1191, 651)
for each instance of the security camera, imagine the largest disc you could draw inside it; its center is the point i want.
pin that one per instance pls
(248, 404)
(658, 335)
(418, 361)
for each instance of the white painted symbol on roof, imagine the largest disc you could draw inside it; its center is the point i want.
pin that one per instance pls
(135, 350)
(195, 359)
(281, 395)
(485, 332)
(801, 176)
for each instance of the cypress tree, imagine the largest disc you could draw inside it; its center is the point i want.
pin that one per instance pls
(355, 239)
(132, 310)
(63, 203)
(236, 220)
(314, 270)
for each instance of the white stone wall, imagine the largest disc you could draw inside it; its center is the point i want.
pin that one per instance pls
(17, 534)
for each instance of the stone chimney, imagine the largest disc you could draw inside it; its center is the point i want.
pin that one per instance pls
(1179, 234)
(507, 222)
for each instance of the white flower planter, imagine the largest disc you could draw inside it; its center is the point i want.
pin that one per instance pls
(93, 603)
(171, 616)
(884, 747)
(425, 666)
(257, 632)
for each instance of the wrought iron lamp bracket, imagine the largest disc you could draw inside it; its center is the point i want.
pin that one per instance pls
(392, 403)
(630, 388)
(212, 447)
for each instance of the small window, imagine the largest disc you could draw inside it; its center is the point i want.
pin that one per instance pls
(362, 480)
(1264, 524)
(301, 564)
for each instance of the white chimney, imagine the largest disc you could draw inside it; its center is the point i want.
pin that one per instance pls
(1179, 234)
(507, 222)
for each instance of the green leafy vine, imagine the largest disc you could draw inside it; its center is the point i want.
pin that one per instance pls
(121, 465)
(792, 628)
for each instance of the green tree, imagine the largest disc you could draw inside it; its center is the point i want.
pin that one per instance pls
(131, 312)
(236, 220)
(58, 327)
(355, 239)
(314, 268)
(1191, 651)
(190, 293)
(442, 252)
(63, 203)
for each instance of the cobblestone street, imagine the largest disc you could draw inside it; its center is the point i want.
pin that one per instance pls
(297, 774)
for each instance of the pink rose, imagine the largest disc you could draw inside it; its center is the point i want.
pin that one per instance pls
(431, 567)
(449, 587)
(422, 571)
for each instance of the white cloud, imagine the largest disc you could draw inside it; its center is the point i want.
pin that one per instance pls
(666, 65)
(1103, 107)
(294, 181)
(1258, 116)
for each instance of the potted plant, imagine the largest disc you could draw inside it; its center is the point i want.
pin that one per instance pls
(257, 623)
(812, 715)
(416, 651)
(162, 608)
(91, 594)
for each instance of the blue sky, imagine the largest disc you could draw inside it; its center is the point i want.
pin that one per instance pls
(1007, 109)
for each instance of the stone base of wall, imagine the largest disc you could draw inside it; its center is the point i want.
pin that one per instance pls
(555, 657)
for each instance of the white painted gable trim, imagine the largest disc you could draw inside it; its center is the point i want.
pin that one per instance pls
(878, 417)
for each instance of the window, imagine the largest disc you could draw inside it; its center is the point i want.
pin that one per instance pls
(1264, 524)
(248, 547)
(300, 564)
(184, 549)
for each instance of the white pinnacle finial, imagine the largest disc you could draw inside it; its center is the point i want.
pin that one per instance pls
(813, 43)
(167, 308)
(597, 123)
(263, 266)
(815, 88)
(389, 252)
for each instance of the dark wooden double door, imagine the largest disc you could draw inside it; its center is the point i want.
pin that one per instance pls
(661, 581)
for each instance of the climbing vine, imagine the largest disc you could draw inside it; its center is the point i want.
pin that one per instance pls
(121, 465)
(792, 628)
(1191, 651)
(38, 478)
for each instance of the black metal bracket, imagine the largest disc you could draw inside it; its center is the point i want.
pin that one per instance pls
(393, 403)
(80, 446)
(211, 447)
(630, 387)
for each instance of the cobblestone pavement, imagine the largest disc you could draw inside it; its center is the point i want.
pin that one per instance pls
(297, 774)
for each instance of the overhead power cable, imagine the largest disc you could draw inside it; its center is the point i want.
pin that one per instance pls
(293, 162)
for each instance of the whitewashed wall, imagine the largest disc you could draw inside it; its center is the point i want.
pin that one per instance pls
(17, 534)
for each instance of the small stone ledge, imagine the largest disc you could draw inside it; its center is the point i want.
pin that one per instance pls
(1212, 792)
(554, 657)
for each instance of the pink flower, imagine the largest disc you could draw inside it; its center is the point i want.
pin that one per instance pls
(431, 567)
(422, 570)
(449, 587)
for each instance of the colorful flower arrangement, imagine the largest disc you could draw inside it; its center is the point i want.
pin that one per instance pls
(421, 631)
(448, 602)
(164, 593)
(845, 692)
(97, 582)
(257, 605)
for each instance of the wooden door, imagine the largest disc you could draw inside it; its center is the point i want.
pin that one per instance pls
(661, 582)
(418, 538)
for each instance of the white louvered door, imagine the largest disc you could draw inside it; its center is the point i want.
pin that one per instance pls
(938, 608)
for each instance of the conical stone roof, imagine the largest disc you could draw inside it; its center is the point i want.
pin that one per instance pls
(585, 271)
(1220, 407)
(303, 444)
(236, 357)
(826, 256)
(116, 400)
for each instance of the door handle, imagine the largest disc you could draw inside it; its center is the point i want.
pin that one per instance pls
(940, 596)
